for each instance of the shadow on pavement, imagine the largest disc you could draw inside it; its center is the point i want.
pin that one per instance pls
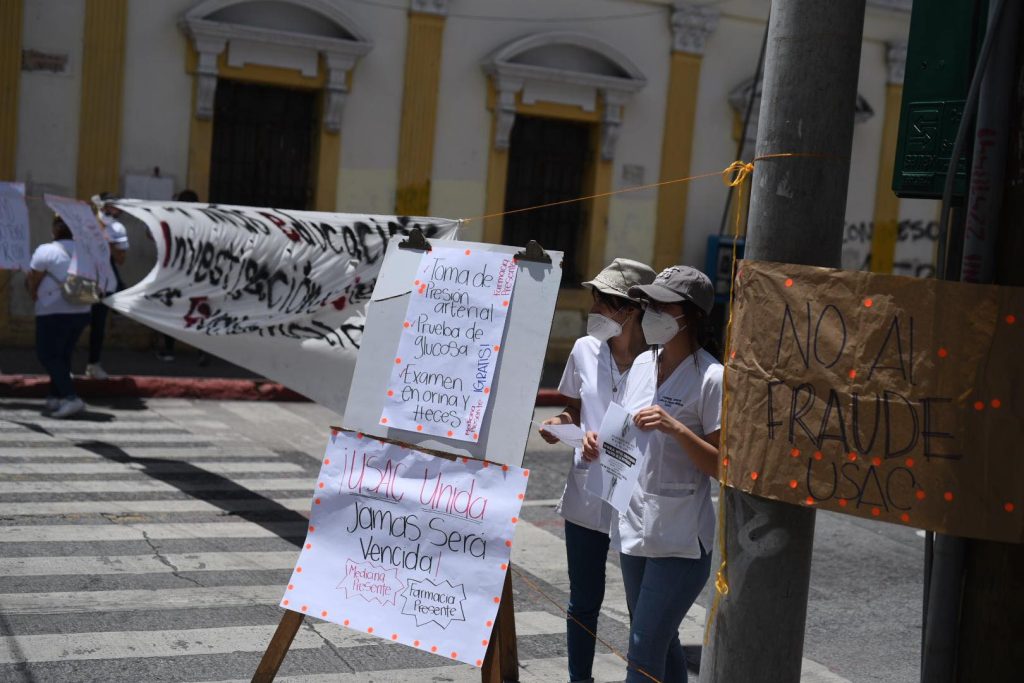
(217, 490)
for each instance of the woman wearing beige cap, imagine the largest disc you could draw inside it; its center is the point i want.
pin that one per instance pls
(665, 535)
(603, 368)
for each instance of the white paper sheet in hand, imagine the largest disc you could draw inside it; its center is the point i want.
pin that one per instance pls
(621, 458)
(569, 434)
(408, 547)
(451, 338)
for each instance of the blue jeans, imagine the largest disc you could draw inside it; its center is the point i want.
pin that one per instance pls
(659, 592)
(587, 552)
(56, 336)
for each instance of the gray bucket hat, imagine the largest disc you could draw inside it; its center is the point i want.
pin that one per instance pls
(678, 283)
(619, 276)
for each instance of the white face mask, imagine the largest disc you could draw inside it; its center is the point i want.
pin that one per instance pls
(602, 328)
(660, 327)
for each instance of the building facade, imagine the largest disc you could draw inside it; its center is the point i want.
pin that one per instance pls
(455, 108)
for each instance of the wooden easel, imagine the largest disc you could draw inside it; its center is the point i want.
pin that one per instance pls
(501, 664)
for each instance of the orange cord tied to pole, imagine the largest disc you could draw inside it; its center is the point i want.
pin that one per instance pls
(735, 175)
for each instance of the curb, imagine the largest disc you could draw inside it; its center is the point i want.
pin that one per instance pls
(211, 388)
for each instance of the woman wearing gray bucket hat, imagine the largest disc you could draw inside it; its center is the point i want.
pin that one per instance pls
(603, 368)
(665, 535)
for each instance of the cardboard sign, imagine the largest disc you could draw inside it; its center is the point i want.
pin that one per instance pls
(451, 340)
(281, 293)
(91, 259)
(881, 396)
(15, 252)
(408, 547)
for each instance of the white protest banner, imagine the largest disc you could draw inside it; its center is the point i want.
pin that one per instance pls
(621, 458)
(452, 335)
(91, 259)
(15, 253)
(408, 547)
(279, 292)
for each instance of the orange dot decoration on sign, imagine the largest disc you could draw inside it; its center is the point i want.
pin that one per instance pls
(497, 600)
(843, 502)
(795, 453)
(876, 461)
(284, 602)
(809, 501)
(497, 348)
(818, 455)
(979, 405)
(467, 252)
(298, 570)
(383, 420)
(304, 608)
(394, 636)
(416, 282)
(390, 393)
(1008, 507)
(519, 496)
(875, 512)
(725, 462)
(789, 282)
(415, 643)
(948, 495)
(489, 623)
(793, 483)
(1011, 319)
(291, 586)
(732, 354)
(345, 623)
(526, 473)
(309, 546)
(484, 642)
(487, 390)
(316, 501)
(904, 517)
(909, 462)
(515, 520)
(504, 468)
(475, 435)
(327, 461)
(451, 433)
(321, 484)
(369, 629)
(323, 613)
(503, 566)
(504, 303)
(942, 352)
(398, 361)
(853, 374)
(919, 495)
(406, 324)
(996, 403)
(433, 648)
(479, 662)
(753, 476)
(455, 655)
(419, 428)
(508, 544)
(852, 456)
(868, 303)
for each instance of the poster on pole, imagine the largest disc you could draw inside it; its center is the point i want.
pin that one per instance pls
(454, 345)
(15, 251)
(408, 547)
(282, 293)
(91, 259)
(886, 397)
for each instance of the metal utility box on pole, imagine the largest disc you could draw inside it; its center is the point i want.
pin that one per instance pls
(797, 213)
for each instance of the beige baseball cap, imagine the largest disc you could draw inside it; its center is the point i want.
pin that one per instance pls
(619, 275)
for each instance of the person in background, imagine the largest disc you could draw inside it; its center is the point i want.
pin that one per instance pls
(58, 323)
(166, 350)
(117, 238)
(602, 369)
(665, 535)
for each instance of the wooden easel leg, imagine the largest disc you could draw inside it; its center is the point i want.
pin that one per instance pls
(501, 664)
(278, 647)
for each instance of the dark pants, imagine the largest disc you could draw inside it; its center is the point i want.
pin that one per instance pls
(659, 592)
(97, 331)
(587, 552)
(55, 342)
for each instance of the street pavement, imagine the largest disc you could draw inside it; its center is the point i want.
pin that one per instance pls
(151, 540)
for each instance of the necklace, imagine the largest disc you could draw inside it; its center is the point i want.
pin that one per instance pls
(611, 371)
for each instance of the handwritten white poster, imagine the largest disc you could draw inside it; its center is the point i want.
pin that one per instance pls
(451, 339)
(14, 242)
(91, 259)
(408, 547)
(621, 456)
(282, 293)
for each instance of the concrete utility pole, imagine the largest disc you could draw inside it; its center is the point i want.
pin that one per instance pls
(797, 213)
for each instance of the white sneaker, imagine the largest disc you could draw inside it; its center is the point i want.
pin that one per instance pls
(96, 371)
(68, 407)
(52, 403)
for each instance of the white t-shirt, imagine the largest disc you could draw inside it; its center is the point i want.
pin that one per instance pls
(670, 510)
(117, 235)
(54, 258)
(590, 375)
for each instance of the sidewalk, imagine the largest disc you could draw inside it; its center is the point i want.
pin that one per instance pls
(141, 374)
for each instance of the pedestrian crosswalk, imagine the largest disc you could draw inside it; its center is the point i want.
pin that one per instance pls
(155, 544)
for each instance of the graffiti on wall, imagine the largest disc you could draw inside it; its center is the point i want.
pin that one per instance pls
(915, 247)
